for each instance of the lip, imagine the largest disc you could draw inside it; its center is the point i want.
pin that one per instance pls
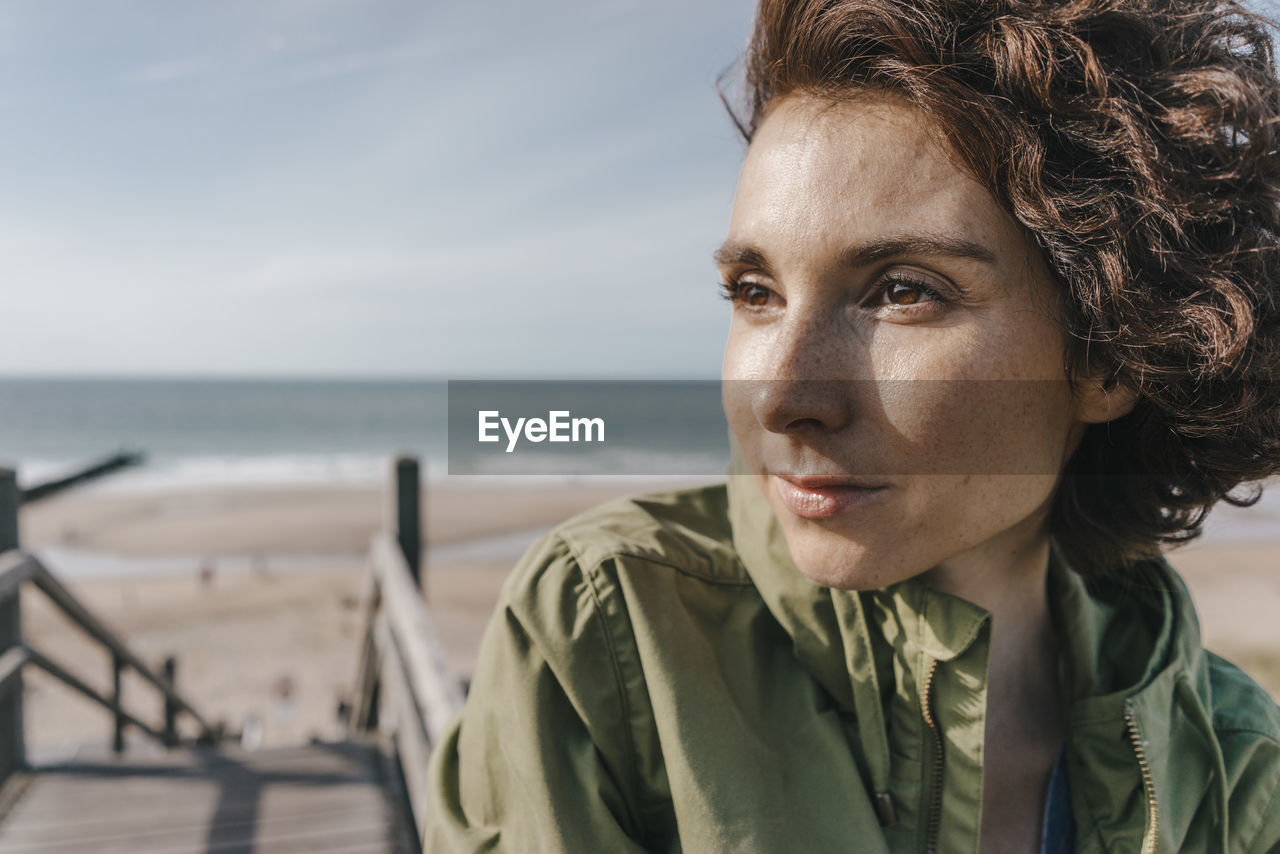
(821, 496)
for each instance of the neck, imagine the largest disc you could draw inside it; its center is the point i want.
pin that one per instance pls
(1009, 580)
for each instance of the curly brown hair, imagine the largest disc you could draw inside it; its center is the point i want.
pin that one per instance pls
(1136, 141)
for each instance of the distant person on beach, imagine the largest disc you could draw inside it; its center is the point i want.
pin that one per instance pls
(1005, 325)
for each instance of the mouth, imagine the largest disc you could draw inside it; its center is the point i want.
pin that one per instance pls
(823, 496)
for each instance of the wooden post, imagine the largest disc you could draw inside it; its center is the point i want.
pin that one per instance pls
(372, 691)
(171, 708)
(13, 754)
(117, 696)
(406, 514)
(364, 712)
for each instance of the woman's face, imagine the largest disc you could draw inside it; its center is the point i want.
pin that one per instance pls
(895, 372)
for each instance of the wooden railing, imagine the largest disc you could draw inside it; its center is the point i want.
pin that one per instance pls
(18, 569)
(104, 466)
(406, 689)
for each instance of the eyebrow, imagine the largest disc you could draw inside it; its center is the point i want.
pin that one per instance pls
(876, 250)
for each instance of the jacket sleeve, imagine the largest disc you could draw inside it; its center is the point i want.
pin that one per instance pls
(540, 759)
(1267, 840)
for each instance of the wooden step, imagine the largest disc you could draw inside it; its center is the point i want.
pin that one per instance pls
(322, 798)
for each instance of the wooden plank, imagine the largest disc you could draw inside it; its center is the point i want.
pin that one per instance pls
(160, 830)
(348, 758)
(436, 689)
(145, 806)
(308, 833)
(171, 708)
(364, 708)
(405, 522)
(117, 697)
(13, 752)
(15, 567)
(106, 827)
(11, 664)
(10, 498)
(403, 722)
(108, 464)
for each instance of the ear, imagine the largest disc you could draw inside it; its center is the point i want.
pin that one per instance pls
(1100, 399)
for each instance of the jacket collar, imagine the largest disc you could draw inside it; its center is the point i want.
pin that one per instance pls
(1141, 745)
(1131, 658)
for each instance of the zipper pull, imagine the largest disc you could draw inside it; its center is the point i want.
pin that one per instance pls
(885, 810)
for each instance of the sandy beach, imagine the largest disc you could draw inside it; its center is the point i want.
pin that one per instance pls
(256, 592)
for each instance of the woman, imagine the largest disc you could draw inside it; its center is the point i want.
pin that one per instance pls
(1004, 299)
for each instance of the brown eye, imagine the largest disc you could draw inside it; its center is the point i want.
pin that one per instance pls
(754, 295)
(904, 291)
(747, 294)
(901, 293)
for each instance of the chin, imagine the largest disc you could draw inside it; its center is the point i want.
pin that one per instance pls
(831, 560)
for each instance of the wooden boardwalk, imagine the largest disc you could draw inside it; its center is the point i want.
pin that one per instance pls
(319, 799)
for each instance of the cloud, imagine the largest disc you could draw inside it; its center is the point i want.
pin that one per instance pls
(163, 72)
(356, 62)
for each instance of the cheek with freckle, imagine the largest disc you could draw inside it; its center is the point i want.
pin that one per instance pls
(973, 426)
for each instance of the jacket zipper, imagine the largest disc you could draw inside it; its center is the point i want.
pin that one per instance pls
(1153, 808)
(935, 796)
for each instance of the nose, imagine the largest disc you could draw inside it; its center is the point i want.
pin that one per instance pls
(798, 407)
(805, 384)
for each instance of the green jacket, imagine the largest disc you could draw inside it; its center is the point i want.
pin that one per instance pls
(659, 677)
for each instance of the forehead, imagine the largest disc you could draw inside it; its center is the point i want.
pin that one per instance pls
(857, 169)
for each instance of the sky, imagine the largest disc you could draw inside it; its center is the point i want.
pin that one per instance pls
(332, 188)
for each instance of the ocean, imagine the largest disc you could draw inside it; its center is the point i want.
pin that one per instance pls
(221, 431)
